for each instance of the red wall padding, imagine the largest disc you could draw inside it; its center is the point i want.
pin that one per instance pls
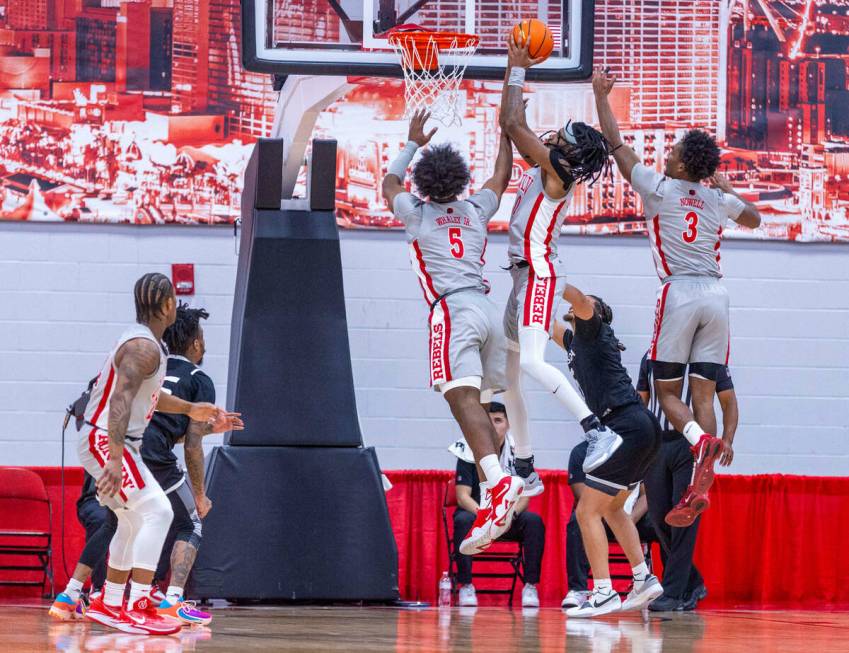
(767, 541)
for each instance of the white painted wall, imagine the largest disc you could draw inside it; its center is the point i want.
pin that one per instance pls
(65, 294)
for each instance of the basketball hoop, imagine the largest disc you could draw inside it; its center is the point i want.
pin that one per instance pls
(434, 64)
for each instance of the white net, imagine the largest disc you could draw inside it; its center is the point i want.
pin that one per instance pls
(434, 65)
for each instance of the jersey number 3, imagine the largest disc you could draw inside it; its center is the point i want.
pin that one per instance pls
(692, 219)
(455, 237)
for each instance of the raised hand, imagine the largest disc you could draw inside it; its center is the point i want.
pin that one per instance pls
(518, 55)
(721, 182)
(417, 133)
(603, 81)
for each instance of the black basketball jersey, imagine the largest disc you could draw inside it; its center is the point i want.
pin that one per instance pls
(186, 381)
(645, 383)
(596, 363)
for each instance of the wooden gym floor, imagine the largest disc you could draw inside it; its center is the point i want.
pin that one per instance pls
(245, 629)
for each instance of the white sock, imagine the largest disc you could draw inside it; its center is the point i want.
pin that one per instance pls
(693, 432)
(73, 588)
(641, 572)
(113, 594)
(492, 469)
(603, 585)
(174, 593)
(138, 591)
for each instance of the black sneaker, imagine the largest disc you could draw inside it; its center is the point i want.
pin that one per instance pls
(666, 604)
(693, 600)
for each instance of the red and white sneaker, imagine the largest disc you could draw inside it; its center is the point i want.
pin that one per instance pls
(503, 497)
(112, 617)
(143, 615)
(477, 540)
(695, 500)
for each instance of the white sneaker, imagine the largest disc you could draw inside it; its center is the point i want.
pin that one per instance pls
(648, 591)
(597, 605)
(574, 599)
(530, 598)
(468, 598)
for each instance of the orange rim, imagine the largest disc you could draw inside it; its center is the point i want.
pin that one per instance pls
(416, 44)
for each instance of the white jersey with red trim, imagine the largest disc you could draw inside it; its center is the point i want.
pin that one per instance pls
(144, 403)
(535, 224)
(447, 240)
(685, 222)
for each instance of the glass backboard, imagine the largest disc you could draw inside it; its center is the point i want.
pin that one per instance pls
(348, 37)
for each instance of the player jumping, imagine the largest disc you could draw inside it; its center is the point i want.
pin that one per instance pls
(122, 403)
(685, 220)
(447, 239)
(574, 154)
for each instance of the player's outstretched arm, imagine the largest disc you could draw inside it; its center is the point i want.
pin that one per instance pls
(393, 182)
(503, 167)
(513, 117)
(624, 156)
(136, 360)
(750, 216)
(583, 306)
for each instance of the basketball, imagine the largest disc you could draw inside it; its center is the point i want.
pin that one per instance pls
(540, 41)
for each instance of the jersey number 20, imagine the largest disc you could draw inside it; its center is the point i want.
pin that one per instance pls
(455, 237)
(692, 220)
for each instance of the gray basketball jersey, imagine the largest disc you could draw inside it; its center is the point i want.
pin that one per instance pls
(535, 224)
(447, 241)
(685, 222)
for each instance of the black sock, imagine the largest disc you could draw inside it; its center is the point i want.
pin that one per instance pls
(590, 422)
(524, 466)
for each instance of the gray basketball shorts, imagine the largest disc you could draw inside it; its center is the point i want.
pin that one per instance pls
(467, 343)
(533, 302)
(691, 322)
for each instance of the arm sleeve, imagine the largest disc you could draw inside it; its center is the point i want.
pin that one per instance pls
(643, 378)
(466, 473)
(588, 329)
(576, 463)
(732, 206)
(486, 202)
(204, 388)
(723, 380)
(645, 180)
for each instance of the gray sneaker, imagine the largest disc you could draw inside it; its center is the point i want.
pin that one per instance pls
(603, 443)
(533, 483)
(649, 590)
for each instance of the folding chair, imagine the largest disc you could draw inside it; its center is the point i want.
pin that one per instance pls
(27, 532)
(501, 553)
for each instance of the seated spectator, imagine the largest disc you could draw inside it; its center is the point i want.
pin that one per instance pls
(527, 526)
(577, 565)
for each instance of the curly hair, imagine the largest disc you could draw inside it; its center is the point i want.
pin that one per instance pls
(186, 328)
(699, 154)
(588, 158)
(441, 173)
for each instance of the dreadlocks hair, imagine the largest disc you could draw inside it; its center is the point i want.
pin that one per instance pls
(441, 173)
(150, 293)
(699, 154)
(186, 328)
(589, 158)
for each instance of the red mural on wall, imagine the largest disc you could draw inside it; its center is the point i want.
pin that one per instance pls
(140, 112)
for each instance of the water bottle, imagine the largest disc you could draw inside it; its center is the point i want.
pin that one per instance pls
(445, 591)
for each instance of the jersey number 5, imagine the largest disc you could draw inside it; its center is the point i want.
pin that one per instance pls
(692, 219)
(455, 237)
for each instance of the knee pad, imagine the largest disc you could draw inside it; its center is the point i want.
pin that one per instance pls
(707, 371)
(663, 371)
(189, 529)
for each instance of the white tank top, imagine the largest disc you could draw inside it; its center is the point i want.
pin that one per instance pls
(144, 403)
(535, 224)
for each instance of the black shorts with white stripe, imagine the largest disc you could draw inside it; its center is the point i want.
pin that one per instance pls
(641, 438)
